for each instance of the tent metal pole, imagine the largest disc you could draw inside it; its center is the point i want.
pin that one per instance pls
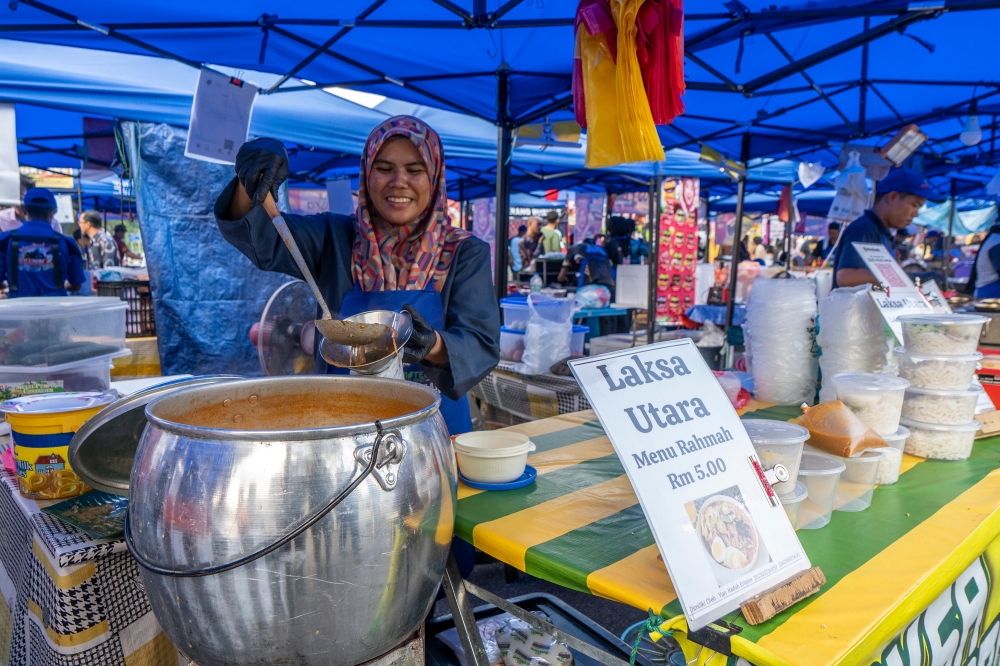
(741, 189)
(504, 147)
(946, 254)
(863, 100)
(653, 223)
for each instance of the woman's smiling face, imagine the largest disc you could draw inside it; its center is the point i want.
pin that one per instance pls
(399, 184)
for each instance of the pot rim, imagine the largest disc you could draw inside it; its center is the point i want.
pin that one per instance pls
(296, 434)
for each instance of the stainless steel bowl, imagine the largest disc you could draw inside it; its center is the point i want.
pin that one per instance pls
(376, 358)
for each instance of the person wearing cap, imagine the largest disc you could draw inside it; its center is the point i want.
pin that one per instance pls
(899, 198)
(551, 237)
(13, 217)
(35, 259)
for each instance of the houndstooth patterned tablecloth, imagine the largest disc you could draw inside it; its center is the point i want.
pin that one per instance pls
(67, 599)
(527, 397)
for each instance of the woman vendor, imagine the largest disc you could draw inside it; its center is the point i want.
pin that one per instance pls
(397, 252)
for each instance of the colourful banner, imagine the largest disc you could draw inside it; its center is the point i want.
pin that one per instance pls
(631, 203)
(678, 252)
(484, 223)
(589, 216)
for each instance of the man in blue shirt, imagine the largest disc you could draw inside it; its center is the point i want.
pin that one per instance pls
(897, 202)
(35, 260)
(516, 261)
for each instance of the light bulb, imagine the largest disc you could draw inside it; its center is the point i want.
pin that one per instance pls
(971, 135)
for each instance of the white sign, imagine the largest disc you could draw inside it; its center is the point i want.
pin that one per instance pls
(935, 298)
(220, 117)
(899, 295)
(64, 209)
(692, 466)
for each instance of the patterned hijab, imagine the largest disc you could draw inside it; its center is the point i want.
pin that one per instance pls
(414, 255)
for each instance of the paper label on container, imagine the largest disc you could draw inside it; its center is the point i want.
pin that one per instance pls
(900, 296)
(220, 117)
(691, 464)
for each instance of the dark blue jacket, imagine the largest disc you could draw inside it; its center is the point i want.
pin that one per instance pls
(44, 260)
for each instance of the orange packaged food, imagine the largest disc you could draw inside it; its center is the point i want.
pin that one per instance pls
(835, 429)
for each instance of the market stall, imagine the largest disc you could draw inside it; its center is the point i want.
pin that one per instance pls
(923, 553)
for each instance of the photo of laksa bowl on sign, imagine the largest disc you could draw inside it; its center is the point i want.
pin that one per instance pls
(689, 460)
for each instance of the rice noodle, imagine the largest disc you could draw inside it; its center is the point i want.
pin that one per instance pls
(940, 444)
(940, 338)
(879, 410)
(954, 409)
(888, 468)
(937, 373)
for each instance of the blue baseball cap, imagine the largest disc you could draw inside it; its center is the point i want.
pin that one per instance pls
(907, 181)
(40, 196)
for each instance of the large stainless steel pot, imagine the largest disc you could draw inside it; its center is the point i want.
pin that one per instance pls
(224, 472)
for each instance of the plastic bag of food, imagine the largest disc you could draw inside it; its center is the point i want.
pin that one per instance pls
(593, 296)
(548, 333)
(835, 429)
(523, 645)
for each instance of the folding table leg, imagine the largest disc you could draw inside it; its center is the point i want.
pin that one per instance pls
(461, 612)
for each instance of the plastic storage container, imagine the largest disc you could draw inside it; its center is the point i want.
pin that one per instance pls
(888, 467)
(492, 457)
(945, 407)
(576, 342)
(941, 442)
(778, 442)
(854, 492)
(875, 399)
(90, 374)
(820, 474)
(511, 344)
(942, 334)
(515, 312)
(936, 371)
(792, 502)
(42, 331)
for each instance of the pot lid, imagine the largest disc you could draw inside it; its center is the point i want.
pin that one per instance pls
(55, 403)
(102, 451)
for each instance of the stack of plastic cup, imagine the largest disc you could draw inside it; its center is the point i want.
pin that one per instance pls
(939, 359)
(780, 443)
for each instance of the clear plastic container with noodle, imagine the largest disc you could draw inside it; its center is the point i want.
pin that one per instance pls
(941, 407)
(875, 399)
(941, 442)
(937, 371)
(943, 334)
(888, 468)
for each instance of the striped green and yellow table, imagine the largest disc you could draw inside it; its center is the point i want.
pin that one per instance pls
(906, 579)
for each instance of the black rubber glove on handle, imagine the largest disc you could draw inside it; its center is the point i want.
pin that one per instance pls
(422, 339)
(262, 166)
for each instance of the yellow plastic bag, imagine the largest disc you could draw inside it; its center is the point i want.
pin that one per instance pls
(604, 142)
(635, 120)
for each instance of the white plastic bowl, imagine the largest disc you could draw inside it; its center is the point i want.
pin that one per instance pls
(492, 456)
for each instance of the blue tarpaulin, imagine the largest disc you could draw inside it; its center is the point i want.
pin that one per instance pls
(206, 295)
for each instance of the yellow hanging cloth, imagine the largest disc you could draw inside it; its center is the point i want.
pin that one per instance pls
(604, 142)
(620, 125)
(635, 120)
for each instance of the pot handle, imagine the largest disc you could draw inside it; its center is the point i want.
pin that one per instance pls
(376, 456)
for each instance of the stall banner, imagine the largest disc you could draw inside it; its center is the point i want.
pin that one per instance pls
(589, 216)
(484, 223)
(719, 527)
(898, 295)
(631, 203)
(678, 249)
(725, 226)
(308, 201)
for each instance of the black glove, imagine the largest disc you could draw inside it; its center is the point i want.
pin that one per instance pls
(262, 166)
(422, 339)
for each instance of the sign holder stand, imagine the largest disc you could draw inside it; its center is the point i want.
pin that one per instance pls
(767, 604)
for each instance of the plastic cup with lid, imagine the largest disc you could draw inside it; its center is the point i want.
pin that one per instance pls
(944, 334)
(820, 474)
(875, 399)
(941, 406)
(941, 442)
(937, 371)
(857, 483)
(792, 502)
(778, 443)
(888, 468)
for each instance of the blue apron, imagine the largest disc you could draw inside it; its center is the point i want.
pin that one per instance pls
(455, 412)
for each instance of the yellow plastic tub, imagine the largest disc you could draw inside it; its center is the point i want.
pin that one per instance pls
(42, 427)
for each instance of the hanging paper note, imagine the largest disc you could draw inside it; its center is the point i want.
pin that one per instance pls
(720, 528)
(10, 179)
(220, 117)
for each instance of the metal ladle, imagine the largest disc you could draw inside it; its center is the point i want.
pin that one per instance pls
(349, 333)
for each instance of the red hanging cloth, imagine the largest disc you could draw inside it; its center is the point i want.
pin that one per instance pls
(660, 48)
